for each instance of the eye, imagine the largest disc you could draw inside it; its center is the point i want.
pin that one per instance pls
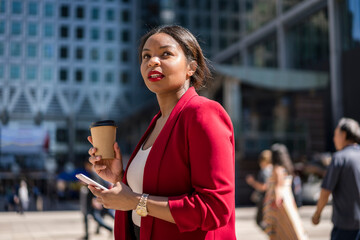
(146, 56)
(167, 53)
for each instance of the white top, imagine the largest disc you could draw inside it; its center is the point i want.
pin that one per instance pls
(135, 176)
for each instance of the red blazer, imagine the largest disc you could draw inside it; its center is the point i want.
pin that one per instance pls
(192, 163)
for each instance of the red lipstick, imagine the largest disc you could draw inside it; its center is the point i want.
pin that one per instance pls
(155, 76)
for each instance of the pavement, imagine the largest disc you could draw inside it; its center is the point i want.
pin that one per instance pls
(68, 225)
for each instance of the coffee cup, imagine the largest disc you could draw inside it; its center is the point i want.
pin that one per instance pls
(103, 135)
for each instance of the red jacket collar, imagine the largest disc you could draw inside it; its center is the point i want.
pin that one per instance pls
(157, 150)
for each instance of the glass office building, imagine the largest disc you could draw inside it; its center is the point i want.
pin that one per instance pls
(294, 71)
(65, 64)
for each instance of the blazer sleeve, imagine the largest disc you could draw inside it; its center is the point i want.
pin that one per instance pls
(211, 159)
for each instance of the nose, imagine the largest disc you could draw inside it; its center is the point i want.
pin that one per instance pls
(154, 61)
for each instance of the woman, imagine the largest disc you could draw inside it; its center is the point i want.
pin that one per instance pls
(180, 178)
(260, 184)
(281, 217)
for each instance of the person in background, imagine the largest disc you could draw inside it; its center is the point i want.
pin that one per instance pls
(90, 207)
(260, 184)
(281, 216)
(342, 180)
(23, 196)
(180, 180)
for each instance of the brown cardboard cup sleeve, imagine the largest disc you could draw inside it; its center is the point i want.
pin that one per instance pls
(103, 134)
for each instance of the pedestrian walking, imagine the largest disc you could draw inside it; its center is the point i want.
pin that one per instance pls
(90, 207)
(260, 185)
(342, 180)
(23, 196)
(281, 216)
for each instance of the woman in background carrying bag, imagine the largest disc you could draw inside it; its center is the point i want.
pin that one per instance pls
(281, 216)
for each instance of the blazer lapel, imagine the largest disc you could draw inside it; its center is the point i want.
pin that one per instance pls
(152, 166)
(153, 162)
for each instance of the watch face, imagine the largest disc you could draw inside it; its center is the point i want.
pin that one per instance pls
(141, 211)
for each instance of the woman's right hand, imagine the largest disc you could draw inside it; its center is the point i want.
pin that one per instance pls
(109, 170)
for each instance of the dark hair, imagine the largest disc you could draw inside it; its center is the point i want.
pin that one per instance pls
(191, 49)
(351, 128)
(281, 157)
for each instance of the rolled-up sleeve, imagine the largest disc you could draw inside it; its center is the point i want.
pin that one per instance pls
(211, 160)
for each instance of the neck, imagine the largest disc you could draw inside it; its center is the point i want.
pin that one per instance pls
(348, 143)
(167, 101)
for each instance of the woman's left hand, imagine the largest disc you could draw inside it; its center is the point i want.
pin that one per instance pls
(119, 197)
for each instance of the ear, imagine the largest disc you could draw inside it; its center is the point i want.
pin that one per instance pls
(192, 68)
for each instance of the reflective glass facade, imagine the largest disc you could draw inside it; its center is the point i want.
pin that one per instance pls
(308, 43)
(288, 4)
(264, 53)
(350, 22)
(257, 13)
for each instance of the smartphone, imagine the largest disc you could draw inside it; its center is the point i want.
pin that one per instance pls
(89, 181)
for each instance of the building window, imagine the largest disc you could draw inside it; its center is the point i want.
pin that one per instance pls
(236, 25)
(31, 73)
(62, 135)
(64, 11)
(16, 7)
(182, 19)
(15, 49)
(32, 8)
(80, 13)
(15, 72)
(79, 53)
(64, 53)
(125, 56)
(309, 47)
(126, 16)
(2, 6)
(2, 49)
(109, 77)
(63, 75)
(223, 5)
(95, 34)
(48, 9)
(109, 35)
(47, 73)
(94, 76)
(264, 53)
(2, 27)
(78, 75)
(94, 54)
(109, 55)
(16, 28)
(223, 23)
(125, 36)
(32, 29)
(48, 51)
(79, 32)
(124, 77)
(110, 15)
(208, 23)
(64, 31)
(48, 30)
(31, 50)
(95, 13)
(2, 72)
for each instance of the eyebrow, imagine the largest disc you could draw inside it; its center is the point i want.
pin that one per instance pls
(162, 47)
